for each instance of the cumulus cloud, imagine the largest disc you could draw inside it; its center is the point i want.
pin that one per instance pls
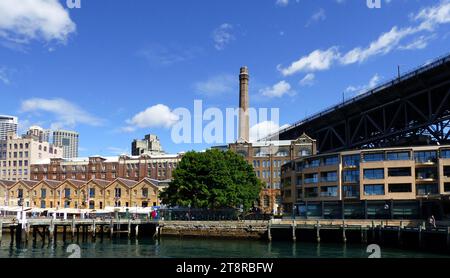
(66, 113)
(155, 116)
(264, 129)
(25, 20)
(278, 90)
(316, 61)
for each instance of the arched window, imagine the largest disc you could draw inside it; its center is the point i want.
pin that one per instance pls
(21, 146)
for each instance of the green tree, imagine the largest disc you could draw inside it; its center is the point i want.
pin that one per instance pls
(213, 179)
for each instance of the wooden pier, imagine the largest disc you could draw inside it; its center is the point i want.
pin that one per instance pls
(47, 229)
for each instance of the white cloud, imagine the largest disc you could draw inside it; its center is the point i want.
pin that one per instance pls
(374, 81)
(222, 36)
(429, 19)
(282, 3)
(420, 42)
(433, 16)
(155, 116)
(25, 20)
(383, 45)
(316, 61)
(67, 114)
(308, 80)
(278, 90)
(216, 86)
(263, 129)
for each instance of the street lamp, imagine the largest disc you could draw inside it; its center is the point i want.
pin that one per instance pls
(294, 207)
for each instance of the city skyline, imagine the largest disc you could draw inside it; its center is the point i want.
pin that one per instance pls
(102, 93)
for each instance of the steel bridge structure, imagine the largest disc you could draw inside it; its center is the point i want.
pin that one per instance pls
(413, 109)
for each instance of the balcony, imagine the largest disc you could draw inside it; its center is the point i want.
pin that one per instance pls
(311, 181)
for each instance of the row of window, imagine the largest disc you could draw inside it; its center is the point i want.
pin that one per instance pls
(92, 193)
(354, 160)
(266, 163)
(370, 190)
(15, 163)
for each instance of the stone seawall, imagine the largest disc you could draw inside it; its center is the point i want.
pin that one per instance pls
(216, 229)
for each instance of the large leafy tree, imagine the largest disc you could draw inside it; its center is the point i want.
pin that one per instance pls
(213, 179)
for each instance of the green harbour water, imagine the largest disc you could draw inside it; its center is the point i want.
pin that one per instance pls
(199, 248)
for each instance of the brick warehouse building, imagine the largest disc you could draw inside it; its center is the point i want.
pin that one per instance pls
(136, 168)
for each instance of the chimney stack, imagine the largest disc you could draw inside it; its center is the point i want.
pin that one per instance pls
(244, 106)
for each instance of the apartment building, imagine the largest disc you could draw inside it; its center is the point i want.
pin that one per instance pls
(267, 159)
(19, 153)
(159, 167)
(410, 182)
(68, 141)
(75, 194)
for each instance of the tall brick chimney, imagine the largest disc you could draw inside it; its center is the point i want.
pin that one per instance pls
(244, 128)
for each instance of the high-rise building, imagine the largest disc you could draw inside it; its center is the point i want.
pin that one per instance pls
(68, 140)
(7, 124)
(149, 145)
(39, 133)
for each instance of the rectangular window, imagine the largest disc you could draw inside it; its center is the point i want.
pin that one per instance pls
(373, 189)
(312, 163)
(67, 192)
(43, 193)
(373, 157)
(447, 187)
(398, 156)
(328, 191)
(428, 173)
(329, 177)
(350, 191)
(145, 192)
(400, 188)
(445, 154)
(118, 192)
(399, 172)
(351, 160)
(311, 178)
(447, 171)
(427, 189)
(332, 160)
(425, 157)
(374, 174)
(91, 192)
(350, 176)
(311, 192)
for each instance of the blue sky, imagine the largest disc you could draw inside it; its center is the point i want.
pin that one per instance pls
(116, 70)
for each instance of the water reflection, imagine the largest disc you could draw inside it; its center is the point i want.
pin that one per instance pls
(191, 248)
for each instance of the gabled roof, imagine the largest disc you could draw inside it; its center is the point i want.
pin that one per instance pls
(129, 183)
(152, 182)
(99, 182)
(76, 183)
(51, 183)
(6, 183)
(27, 183)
